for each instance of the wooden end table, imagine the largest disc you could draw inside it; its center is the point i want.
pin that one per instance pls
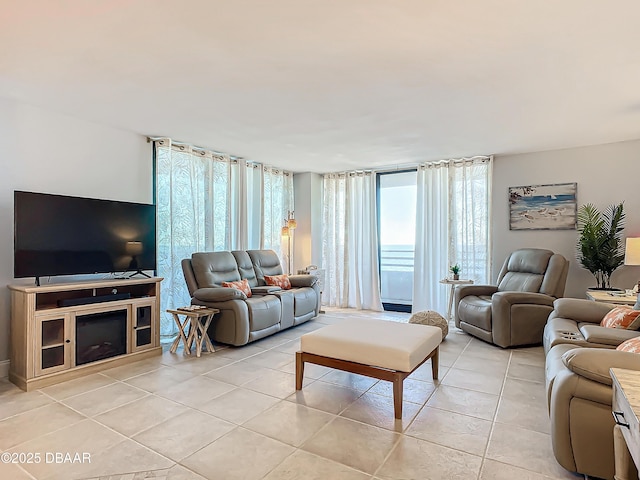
(607, 297)
(453, 283)
(198, 322)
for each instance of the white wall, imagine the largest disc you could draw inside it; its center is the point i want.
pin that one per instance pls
(48, 152)
(605, 174)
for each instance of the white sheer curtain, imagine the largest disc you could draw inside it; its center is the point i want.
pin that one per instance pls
(277, 202)
(432, 237)
(208, 202)
(452, 226)
(470, 217)
(350, 243)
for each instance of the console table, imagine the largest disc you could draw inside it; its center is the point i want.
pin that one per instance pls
(62, 331)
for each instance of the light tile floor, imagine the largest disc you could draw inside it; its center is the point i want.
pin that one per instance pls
(234, 414)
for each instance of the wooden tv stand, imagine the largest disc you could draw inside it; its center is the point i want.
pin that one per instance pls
(43, 334)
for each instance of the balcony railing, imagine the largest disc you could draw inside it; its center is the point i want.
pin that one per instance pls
(396, 273)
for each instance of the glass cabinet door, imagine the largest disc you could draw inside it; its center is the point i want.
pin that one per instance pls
(143, 331)
(53, 352)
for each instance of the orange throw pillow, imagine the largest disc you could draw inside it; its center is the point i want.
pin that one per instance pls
(242, 285)
(621, 317)
(281, 281)
(632, 345)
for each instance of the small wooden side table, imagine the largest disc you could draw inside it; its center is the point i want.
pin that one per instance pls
(198, 322)
(607, 297)
(453, 283)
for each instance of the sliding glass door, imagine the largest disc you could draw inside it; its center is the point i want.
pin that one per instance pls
(397, 232)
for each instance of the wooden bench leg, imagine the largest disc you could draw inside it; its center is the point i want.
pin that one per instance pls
(397, 395)
(435, 361)
(299, 370)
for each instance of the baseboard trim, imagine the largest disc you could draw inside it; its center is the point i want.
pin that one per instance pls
(4, 368)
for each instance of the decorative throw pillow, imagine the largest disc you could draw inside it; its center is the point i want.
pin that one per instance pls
(622, 317)
(242, 285)
(632, 345)
(281, 281)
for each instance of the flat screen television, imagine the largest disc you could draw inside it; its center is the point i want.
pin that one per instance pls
(63, 235)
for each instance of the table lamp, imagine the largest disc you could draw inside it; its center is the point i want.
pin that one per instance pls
(632, 257)
(135, 249)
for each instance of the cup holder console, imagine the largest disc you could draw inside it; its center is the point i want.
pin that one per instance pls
(570, 335)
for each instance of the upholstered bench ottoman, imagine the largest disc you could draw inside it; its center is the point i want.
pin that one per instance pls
(380, 349)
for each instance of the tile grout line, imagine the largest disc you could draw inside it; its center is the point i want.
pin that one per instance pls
(495, 415)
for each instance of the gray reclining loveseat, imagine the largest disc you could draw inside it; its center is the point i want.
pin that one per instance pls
(267, 311)
(579, 353)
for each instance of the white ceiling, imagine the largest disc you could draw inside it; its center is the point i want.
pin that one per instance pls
(329, 85)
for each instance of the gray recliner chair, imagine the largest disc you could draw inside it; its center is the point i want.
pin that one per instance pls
(515, 311)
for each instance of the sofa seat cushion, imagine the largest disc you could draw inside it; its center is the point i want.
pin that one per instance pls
(264, 311)
(476, 311)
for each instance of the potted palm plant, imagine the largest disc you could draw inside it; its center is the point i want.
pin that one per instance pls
(600, 248)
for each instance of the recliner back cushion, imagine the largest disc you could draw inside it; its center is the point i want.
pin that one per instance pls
(520, 282)
(213, 268)
(245, 267)
(265, 262)
(524, 270)
(529, 260)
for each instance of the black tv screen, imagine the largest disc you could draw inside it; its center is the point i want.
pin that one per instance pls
(62, 235)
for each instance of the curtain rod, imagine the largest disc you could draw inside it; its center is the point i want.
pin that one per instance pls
(195, 147)
(233, 158)
(412, 166)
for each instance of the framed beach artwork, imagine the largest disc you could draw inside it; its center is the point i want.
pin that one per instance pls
(543, 207)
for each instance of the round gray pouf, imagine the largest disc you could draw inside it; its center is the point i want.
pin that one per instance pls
(429, 317)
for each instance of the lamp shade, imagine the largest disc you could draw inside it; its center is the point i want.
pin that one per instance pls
(285, 231)
(292, 224)
(134, 248)
(632, 251)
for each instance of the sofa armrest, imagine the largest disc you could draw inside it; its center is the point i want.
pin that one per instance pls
(580, 310)
(605, 335)
(218, 294)
(511, 298)
(303, 280)
(264, 290)
(594, 363)
(462, 291)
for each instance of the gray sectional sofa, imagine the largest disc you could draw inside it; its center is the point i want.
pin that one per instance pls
(269, 309)
(579, 353)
